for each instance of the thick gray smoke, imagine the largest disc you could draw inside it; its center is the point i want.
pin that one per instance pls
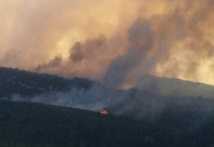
(140, 41)
(168, 38)
(164, 38)
(85, 59)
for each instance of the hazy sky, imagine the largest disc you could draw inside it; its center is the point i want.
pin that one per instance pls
(124, 38)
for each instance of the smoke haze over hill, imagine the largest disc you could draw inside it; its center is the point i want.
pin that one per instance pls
(119, 40)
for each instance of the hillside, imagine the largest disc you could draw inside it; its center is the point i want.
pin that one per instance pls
(25, 83)
(147, 101)
(19, 82)
(35, 125)
(175, 87)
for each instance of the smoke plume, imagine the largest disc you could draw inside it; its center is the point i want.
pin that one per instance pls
(116, 41)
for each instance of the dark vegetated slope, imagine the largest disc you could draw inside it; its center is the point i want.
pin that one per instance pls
(14, 81)
(35, 125)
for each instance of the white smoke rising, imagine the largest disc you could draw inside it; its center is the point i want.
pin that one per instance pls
(93, 99)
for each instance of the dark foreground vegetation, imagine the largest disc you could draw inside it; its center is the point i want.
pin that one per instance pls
(36, 125)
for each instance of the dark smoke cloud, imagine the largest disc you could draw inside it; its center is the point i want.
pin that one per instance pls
(161, 37)
(140, 41)
(85, 58)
